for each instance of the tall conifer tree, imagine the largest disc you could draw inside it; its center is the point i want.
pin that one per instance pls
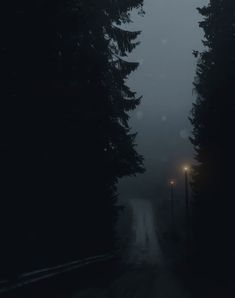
(65, 133)
(213, 129)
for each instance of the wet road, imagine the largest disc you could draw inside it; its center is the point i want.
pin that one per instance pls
(149, 276)
(148, 282)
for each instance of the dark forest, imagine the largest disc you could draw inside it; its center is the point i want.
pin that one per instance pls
(86, 208)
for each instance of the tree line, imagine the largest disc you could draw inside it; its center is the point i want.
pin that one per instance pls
(213, 139)
(65, 139)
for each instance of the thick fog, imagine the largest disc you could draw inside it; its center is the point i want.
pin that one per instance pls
(146, 245)
(170, 33)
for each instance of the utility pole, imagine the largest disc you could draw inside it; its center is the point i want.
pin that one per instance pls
(186, 194)
(187, 210)
(172, 184)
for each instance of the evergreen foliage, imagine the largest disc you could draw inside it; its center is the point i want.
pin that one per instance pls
(65, 138)
(213, 130)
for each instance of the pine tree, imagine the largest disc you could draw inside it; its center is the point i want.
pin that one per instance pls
(65, 125)
(212, 119)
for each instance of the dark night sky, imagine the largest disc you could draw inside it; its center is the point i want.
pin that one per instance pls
(170, 33)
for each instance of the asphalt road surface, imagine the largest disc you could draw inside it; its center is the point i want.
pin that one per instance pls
(148, 275)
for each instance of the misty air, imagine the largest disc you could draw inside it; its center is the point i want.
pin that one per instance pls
(117, 151)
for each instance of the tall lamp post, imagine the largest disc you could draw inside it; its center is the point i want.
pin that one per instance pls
(186, 169)
(172, 184)
(187, 211)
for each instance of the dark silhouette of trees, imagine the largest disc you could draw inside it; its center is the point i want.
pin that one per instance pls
(213, 130)
(65, 138)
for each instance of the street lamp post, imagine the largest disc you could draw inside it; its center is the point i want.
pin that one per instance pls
(186, 194)
(172, 184)
(187, 211)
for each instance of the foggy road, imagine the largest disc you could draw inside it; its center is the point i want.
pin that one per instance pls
(145, 246)
(148, 276)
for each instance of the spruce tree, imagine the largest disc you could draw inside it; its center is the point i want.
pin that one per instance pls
(66, 137)
(213, 129)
